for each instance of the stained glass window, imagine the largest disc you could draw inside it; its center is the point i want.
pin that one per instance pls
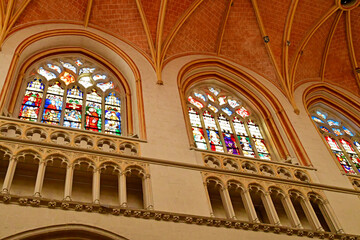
(223, 124)
(197, 130)
(73, 109)
(53, 104)
(57, 95)
(346, 151)
(93, 111)
(112, 114)
(32, 100)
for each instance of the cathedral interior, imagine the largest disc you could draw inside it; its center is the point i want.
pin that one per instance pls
(168, 119)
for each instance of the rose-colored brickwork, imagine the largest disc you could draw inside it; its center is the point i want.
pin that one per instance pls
(338, 68)
(274, 25)
(243, 42)
(308, 13)
(174, 10)
(200, 32)
(310, 62)
(355, 23)
(122, 18)
(41, 10)
(151, 10)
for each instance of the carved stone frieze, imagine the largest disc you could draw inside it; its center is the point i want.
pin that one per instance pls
(256, 167)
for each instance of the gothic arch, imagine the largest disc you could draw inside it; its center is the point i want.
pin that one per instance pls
(234, 78)
(66, 231)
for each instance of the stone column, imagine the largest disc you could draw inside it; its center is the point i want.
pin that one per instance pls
(40, 179)
(249, 206)
(68, 182)
(330, 216)
(270, 208)
(208, 199)
(96, 186)
(9, 175)
(290, 212)
(310, 214)
(146, 185)
(226, 200)
(122, 189)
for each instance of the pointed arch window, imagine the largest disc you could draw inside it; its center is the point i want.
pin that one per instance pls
(221, 122)
(73, 92)
(341, 139)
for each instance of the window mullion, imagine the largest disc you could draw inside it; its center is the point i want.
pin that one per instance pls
(347, 155)
(41, 108)
(63, 106)
(236, 137)
(103, 113)
(251, 138)
(83, 110)
(204, 130)
(220, 132)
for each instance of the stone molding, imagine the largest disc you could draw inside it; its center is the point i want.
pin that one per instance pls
(169, 216)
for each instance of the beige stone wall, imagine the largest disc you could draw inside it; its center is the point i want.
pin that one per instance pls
(175, 189)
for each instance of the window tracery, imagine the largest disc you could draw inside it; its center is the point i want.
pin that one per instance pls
(220, 122)
(343, 142)
(72, 92)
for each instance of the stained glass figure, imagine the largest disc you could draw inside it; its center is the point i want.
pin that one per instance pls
(32, 100)
(233, 103)
(105, 86)
(86, 81)
(69, 66)
(215, 92)
(93, 111)
(333, 122)
(99, 77)
(337, 131)
(86, 70)
(47, 74)
(348, 132)
(324, 129)
(210, 97)
(340, 156)
(357, 145)
(78, 62)
(54, 67)
(67, 78)
(258, 139)
(214, 109)
(199, 95)
(322, 115)
(254, 129)
(228, 135)
(316, 119)
(73, 108)
(197, 129)
(53, 104)
(243, 112)
(195, 102)
(212, 132)
(222, 100)
(112, 114)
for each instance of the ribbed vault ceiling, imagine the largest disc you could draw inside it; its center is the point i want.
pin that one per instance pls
(308, 40)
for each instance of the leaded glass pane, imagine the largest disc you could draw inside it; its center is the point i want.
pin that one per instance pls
(197, 130)
(195, 102)
(105, 86)
(93, 112)
(348, 132)
(73, 109)
(53, 104)
(228, 136)
(212, 132)
(47, 74)
(316, 119)
(69, 66)
(99, 77)
(86, 82)
(199, 95)
(67, 78)
(112, 114)
(54, 67)
(32, 100)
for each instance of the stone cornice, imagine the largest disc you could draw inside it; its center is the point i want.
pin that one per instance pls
(169, 217)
